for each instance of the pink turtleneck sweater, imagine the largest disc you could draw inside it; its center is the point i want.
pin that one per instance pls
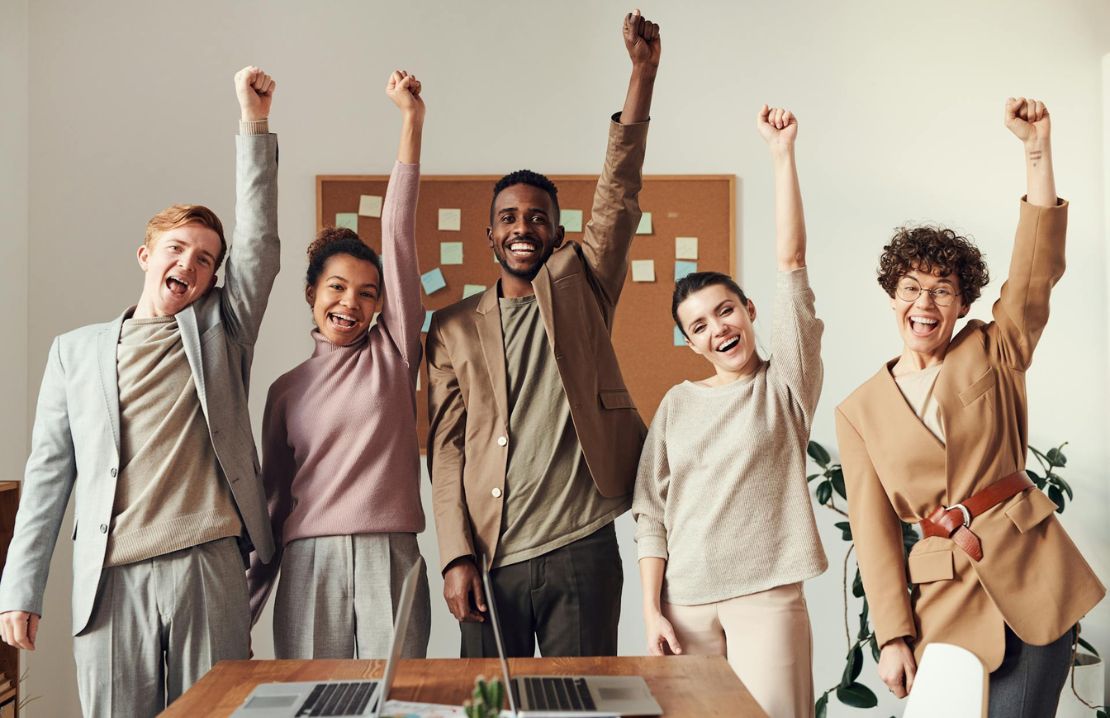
(339, 448)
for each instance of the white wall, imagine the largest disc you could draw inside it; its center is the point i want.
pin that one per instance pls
(131, 108)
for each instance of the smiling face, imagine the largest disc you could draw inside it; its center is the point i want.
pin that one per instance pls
(180, 267)
(344, 298)
(927, 326)
(718, 326)
(524, 230)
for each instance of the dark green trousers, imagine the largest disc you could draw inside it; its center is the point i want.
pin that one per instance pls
(568, 599)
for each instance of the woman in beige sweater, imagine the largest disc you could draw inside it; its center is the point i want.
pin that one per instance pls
(724, 522)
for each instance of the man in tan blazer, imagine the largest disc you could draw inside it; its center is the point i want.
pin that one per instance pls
(534, 439)
(945, 425)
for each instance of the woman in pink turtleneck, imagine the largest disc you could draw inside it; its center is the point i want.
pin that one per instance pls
(340, 455)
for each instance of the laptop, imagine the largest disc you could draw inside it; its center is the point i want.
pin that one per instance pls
(562, 696)
(336, 698)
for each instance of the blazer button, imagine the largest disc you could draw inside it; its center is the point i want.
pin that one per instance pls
(501, 441)
(112, 471)
(103, 528)
(496, 493)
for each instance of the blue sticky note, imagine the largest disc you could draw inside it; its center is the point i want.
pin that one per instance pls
(679, 338)
(348, 220)
(427, 321)
(681, 269)
(433, 281)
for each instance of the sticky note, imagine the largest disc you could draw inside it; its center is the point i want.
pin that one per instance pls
(686, 247)
(645, 224)
(348, 220)
(433, 281)
(643, 270)
(571, 219)
(427, 321)
(679, 338)
(370, 205)
(418, 380)
(450, 220)
(681, 269)
(450, 253)
(472, 289)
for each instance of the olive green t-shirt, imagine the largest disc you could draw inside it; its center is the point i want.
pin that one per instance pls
(550, 497)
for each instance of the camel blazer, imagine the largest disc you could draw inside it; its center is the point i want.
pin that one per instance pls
(1032, 577)
(577, 291)
(75, 443)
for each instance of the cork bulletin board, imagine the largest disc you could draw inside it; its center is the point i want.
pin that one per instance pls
(680, 206)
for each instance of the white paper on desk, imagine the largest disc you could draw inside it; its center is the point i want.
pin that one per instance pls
(407, 709)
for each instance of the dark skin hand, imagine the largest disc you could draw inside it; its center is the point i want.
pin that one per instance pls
(461, 581)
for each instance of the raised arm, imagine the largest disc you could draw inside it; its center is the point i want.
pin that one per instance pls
(1029, 121)
(779, 129)
(402, 312)
(641, 38)
(254, 256)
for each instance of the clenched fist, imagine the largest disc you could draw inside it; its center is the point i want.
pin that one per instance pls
(255, 90)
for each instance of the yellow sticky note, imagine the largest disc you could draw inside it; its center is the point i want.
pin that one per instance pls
(450, 253)
(571, 220)
(685, 247)
(450, 220)
(643, 270)
(370, 205)
(645, 224)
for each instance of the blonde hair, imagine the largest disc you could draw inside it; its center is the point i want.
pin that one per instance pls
(179, 215)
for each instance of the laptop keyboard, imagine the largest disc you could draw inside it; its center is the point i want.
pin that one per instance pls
(337, 699)
(563, 694)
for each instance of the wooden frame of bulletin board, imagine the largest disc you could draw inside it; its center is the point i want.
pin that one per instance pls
(681, 206)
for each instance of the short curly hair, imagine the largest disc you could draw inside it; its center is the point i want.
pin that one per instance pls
(936, 250)
(337, 240)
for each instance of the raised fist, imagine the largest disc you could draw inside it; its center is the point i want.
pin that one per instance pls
(404, 90)
(1027, 119)
(641, 38)
(777, 126)
(255, 90)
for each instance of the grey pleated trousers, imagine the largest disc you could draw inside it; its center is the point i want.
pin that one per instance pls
(158, 625)
(1029, 681)
(337, 597)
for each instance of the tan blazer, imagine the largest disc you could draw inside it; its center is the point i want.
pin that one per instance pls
(577, 292)
(1031, 577)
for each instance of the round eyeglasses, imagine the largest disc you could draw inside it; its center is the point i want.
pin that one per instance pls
(909, 291)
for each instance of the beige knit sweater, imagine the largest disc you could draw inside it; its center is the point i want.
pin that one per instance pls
(721, 492)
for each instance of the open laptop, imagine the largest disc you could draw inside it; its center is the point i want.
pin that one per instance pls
(568, 696)
(336, 698)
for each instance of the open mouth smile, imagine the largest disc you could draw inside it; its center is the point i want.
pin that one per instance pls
(177, 285)
(729, 344)
(342, 322)
(923, 326)
(522, 248)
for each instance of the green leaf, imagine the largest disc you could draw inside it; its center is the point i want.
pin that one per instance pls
(824, 492)
(864, 628)
(853, 667)
(818, 454)
(821, 707)
(856, 695)
(1101, 714)
(875, 652)
(811, 477)
(1066, 487)
(1056, 457)
(1057, 495)
(837, 478)
(857, 585)
(1038, 480)
(845, 530)
(1087, 646)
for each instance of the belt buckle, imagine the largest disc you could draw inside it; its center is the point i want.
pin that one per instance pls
(963, 510)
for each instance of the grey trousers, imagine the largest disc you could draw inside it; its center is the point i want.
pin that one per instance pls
(338, 595)
(569, 599)
(158, 625)
(1029, 681)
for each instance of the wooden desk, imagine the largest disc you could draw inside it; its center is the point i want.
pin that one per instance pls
(702, 686)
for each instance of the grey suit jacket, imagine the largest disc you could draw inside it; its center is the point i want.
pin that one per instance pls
(75, 444)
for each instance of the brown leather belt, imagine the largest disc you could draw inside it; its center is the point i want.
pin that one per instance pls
(954, 521)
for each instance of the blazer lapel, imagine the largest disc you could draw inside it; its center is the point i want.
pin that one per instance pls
(190, 340)
(541, 285)
(920, 448)
(106, 343)
(488, 321)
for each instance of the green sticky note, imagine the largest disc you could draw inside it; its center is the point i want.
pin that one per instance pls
(472, 289)
(348, 220)
(427, 321)
(450, 253)
(645, 224)
(679, 337)
(571, 219)
(681, 269)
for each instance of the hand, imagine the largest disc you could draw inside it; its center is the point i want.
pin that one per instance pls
(459, 582)
(1028, 120)
(255, 90)
(661, 640)
(777, 127)
(641, 38)
(19, 628)
(897, 667)
(404, 90)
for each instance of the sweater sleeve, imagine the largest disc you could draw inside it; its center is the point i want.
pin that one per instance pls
(649, 499)
(278, 467)
(402, 312)
(796, 342)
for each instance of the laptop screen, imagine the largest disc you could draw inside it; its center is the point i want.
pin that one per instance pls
(497, 634)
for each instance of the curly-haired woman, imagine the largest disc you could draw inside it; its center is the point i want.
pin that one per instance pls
(340, 459)
(938, 438)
